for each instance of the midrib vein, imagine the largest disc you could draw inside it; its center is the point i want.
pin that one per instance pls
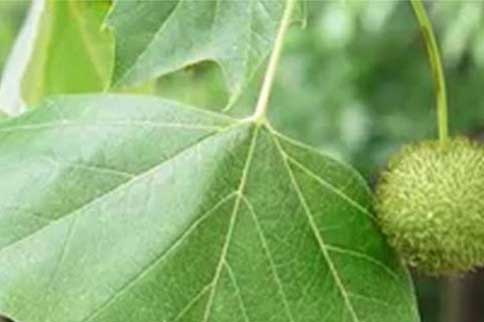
(233, 219)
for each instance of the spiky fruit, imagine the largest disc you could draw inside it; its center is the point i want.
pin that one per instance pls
(430, 204)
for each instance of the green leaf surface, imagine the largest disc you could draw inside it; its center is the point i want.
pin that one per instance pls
(72, 54)
(154, 38)
(124, 208)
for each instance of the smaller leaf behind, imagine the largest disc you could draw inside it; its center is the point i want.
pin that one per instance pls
(154, 38)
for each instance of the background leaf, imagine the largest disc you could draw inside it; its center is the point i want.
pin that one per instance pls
(72, 54)
(123, 208)
(12, 13)
(11, 100)
(154, 38)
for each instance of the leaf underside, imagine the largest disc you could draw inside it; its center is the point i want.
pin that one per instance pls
(154, 38)
(123, 208)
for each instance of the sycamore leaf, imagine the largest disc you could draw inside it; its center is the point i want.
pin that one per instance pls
(72, 54)
(154, 38)
(124, 208)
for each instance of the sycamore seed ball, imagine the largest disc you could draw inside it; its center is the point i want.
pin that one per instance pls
(430, 204)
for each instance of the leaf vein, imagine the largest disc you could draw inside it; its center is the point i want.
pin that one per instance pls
(113, 190)
(363, 256)
(265, 246)
(160, 258)
(192, 302)
(233, 219)
(317, 234)
(64, 123)
(326, 184)
(238, 291)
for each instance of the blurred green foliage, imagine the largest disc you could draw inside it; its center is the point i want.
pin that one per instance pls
(353, 82)
(12, 13)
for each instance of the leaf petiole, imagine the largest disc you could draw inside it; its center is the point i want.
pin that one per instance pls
(263, 100)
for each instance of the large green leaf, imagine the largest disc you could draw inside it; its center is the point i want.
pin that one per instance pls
(154, 38)
(124, 208)
(72, 54)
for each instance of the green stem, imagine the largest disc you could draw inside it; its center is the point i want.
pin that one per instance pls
(437, 69)
(263, 101)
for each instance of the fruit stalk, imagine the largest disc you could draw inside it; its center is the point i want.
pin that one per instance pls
(437, 69)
